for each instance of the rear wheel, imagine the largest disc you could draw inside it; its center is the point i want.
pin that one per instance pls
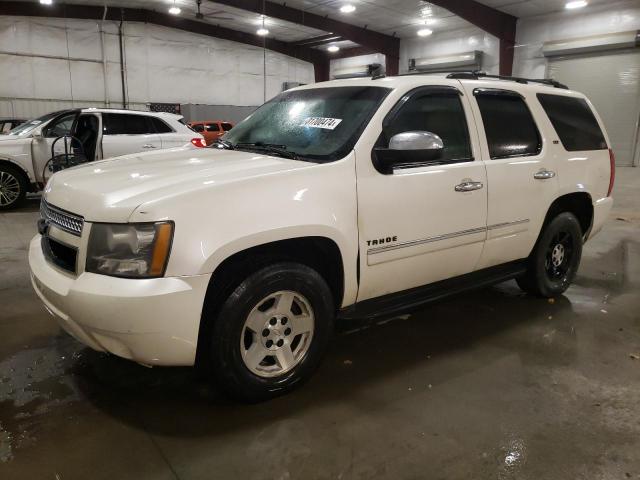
(13, 187)
(272, 331)
(554, 262)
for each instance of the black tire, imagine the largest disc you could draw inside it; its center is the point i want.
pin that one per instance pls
(226, 351)
(10, 178)
(555, 259)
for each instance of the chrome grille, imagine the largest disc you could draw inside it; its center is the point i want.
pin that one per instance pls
(64, 220)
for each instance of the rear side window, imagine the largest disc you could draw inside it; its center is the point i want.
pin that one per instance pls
(508, 124)
(125, 124)
(213, 127)
(160, 126)
(226, 126)
(574, 122)
(198, 127)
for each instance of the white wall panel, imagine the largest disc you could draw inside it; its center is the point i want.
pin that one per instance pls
(534, 31)
(356, 61)
(162, 65)
(453, 42)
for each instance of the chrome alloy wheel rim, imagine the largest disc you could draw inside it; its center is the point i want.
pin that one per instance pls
(9, 188)
(277, 334)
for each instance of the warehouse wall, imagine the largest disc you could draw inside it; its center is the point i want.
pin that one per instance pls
(162, 65)
(534, 31)
(452, 42)
(356, 62)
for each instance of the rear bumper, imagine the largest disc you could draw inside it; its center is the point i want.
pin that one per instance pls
(601, 210)
(152, 321)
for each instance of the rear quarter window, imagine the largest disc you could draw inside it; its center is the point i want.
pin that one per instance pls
(574, 122)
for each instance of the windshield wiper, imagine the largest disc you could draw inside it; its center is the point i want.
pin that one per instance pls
(224, 144)
(272, 148)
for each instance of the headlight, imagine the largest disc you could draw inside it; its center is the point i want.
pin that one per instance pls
(133, 250)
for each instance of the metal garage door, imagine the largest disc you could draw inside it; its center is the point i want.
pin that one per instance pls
(612, 83)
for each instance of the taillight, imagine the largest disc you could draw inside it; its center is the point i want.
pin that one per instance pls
(198, 142)
(612, 175)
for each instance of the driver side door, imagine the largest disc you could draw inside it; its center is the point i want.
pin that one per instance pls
(41, 146)
(418, 223)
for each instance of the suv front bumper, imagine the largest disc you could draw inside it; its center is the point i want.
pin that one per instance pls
(151, 321)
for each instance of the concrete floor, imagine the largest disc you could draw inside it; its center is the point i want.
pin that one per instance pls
(492, 384)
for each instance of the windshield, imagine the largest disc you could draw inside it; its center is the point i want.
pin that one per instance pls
(320, 124)
(27, 127)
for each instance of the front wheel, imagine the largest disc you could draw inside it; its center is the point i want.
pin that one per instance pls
(554, 262)
(272, 331)
(13, 187)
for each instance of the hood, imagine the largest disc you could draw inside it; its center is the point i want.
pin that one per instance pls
(110, 190)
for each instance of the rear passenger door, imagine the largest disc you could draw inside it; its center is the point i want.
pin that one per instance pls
(521, 170)
(168, 136)
(124, 133)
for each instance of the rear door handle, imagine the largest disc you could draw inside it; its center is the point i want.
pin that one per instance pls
(544, 175)
(468, 186)
(148, 145)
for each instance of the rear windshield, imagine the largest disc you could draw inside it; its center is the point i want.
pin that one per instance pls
(574, 122)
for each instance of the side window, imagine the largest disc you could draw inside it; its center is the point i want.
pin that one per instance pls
(60, 126)
(574, 122)
(212, 127)
(226, 126)
(125, 124)
(439, 113)
(160, 126)
(198, 127)
(508, 124)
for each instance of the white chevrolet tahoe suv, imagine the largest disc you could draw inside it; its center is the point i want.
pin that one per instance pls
(89, 134)
(349, 198)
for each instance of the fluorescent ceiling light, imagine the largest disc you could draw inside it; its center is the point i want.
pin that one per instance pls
(347, 8)
(576, 4)
(424, 32)
(46, 2)
(174, 10)
(262, 32)
(333, 48)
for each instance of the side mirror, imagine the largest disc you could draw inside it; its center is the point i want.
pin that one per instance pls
(37, 133)
(407, 148)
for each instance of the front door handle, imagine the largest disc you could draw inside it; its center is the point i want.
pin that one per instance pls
(148, 145)
(544, 175)
(468, 186)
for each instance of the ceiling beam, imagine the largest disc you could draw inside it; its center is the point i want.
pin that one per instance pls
(380, 42)
(319, 40)
(495, 22)
(90, 12)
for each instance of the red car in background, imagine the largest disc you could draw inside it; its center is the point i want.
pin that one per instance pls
(211, 130)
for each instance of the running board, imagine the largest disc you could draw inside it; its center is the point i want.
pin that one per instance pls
(412, 299)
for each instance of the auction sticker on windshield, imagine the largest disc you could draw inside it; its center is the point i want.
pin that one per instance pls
(321, 122)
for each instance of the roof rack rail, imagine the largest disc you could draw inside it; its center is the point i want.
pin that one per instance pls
(476, 75)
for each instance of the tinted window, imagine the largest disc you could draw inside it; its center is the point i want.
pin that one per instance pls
(213, 127)
(574, 122)
(226, 126)
(508, 124)
(160, 126)
(198, 127)
(124, 124)
(439, 113)
(60, 126)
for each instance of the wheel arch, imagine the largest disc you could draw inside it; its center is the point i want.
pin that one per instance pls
(318, 252)
(18, 167)
(578, 203)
